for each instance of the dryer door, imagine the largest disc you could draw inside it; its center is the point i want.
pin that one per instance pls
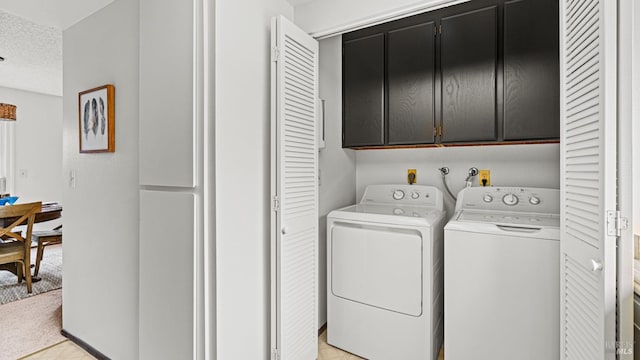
(378, 266)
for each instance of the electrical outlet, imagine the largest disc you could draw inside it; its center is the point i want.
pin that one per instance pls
(484, 177)
(412, 176)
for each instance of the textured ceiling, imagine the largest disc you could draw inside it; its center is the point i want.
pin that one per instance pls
(33, 55)
(31, 41)
(55, 13)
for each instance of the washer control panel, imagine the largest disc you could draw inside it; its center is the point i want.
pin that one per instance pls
(417, 195)
(536, 200)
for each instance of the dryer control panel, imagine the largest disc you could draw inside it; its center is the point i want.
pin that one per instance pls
(417, 195)
(514, 199)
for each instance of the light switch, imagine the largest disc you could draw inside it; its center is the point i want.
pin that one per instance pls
(72, 179)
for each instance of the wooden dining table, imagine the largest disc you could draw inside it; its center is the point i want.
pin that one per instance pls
(50, 211)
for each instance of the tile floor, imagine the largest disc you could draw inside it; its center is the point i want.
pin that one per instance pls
(328, 352)
(65, 350)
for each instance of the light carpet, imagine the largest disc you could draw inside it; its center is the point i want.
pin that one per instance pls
(50, 273)
(31, 324)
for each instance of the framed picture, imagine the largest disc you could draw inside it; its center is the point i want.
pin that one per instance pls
(96, 109)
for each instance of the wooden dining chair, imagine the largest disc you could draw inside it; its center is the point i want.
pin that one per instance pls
(15, 250)
(45, 238)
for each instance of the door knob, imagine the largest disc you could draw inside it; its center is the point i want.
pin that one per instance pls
(284, 230)
(596, 266)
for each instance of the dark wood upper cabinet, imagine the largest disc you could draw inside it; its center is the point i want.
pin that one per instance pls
(484, 71)
(531, 70)
(468, 64)
(363, 91)
(411, 84)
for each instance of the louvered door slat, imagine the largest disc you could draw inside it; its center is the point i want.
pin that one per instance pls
(294, 186)
(588, 72)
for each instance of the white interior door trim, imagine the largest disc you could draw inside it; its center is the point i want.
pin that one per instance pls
(398, 13)
(627, 113)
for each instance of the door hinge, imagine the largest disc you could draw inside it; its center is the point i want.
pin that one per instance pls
(275, 206)
(616, 223)
(275, 354)
(435, 29)
(437, 131)
(275, 54)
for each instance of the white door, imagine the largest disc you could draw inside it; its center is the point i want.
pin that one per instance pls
(294, 190)
(588, 183)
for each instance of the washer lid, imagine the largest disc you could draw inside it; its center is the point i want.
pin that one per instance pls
(389, 214)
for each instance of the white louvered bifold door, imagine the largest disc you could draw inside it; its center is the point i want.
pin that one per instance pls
(294, 224)
(588, 178)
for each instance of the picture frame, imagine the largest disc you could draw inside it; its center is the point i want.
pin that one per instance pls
(96, 119)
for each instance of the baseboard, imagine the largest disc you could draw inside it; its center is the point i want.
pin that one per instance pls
(88, 348)
(322, 329)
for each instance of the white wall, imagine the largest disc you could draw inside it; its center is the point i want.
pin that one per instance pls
(38, 149)
(337, 165)
(100, 271)
(320, 17)
(510, 165)
(242, 175)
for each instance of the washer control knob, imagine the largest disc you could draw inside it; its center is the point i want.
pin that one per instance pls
(534, 200)
(398, 211)
(510, 199)
(487, 198)
(398, 195)
(415, 195)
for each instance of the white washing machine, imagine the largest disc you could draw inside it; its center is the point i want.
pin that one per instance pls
(502, 275)
(384, 283)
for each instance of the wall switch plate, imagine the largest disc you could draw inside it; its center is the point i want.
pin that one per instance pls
(72, 179)
(484, 177)
(412, 176)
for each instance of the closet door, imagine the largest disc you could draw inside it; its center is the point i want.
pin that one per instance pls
(294, 217)
(588, 184)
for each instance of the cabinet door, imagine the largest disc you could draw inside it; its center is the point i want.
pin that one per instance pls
(166, 318)
(468, 65)
(363, 91)
(410, 67)
(167, 118)
(531, 70)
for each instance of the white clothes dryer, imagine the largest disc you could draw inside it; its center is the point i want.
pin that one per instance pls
(384, 281)
(502, 275)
